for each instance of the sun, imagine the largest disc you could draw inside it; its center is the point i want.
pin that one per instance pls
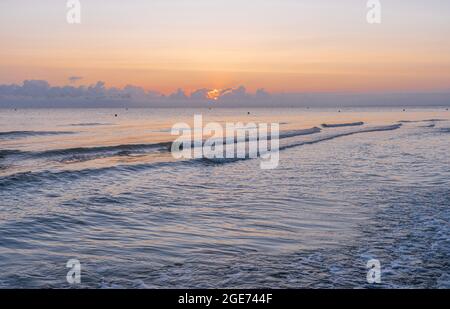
(213, 94)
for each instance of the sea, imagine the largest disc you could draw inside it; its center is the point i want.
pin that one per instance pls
(101, 186)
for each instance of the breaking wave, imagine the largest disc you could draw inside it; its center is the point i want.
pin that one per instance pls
(22, 134)
(342, 134)
(340, 125)
(320, 138)
(107, 150)
(294, 133)
(419, 121)
(120, 149)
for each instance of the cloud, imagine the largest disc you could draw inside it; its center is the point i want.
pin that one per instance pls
(39, 93)
(239, 93)
(200, 94)
(262, 94)
(178, 95)
(74, 79)
(34, 88)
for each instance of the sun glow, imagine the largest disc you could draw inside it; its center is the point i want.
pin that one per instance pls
(213, 94)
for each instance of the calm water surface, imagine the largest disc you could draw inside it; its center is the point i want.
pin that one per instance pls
(101, 188)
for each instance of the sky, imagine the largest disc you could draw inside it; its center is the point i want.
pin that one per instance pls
(282, 46)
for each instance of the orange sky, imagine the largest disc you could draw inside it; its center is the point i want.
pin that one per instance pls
(282, 46)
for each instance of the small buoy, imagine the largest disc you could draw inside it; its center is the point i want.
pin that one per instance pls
(115, 115)
(248, 113)
(339, 111)
(404, 109)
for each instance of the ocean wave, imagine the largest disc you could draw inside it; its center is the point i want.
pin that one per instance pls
(116, 150)
(9, 152)
(89, 124)
(82, 154)
(424, 120)
(319, 139)
(22, 134)
(342, 134)
(287, 134)
(429, 126)
(29, 178)
(340, 125)
(107, 150)
(233, 139)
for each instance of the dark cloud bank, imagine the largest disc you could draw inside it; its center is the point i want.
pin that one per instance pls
(39, 93)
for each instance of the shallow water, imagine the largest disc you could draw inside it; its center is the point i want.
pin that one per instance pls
(86, 184)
